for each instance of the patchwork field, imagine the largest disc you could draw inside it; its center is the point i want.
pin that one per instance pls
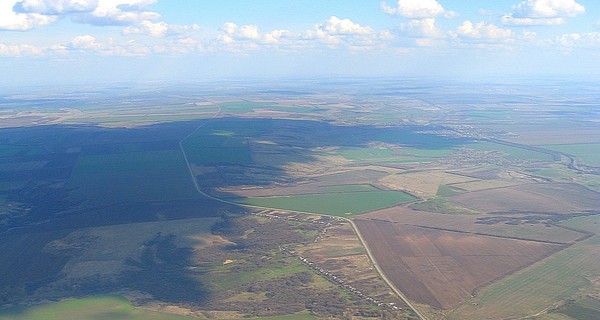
(99, 202)
(442, 268)
(422, 184)
(536, 288)
(515, 226)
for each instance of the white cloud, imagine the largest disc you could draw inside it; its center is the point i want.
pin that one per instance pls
(28, 14)
(159, 29)
(89, 44)
(119, 12)
(335, 25)
(249, 32)
(335, 31)
(422, 28)
(415, 9)
(238, 38)
(513, 21)
(548, 9)
(18, 50)
(543, 12)
(578, 40)
(12, 20)
(483, 31)
(55, 7)
(85, 42)
(275, 36)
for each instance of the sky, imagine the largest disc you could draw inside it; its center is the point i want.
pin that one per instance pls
(83, 41)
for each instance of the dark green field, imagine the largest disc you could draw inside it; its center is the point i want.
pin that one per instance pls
(337, 204)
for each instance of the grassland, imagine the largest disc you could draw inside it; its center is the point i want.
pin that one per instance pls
(338, 204)
(401, 155)
(97, 307)
(441, 205)
(444, 190)
(111, 307)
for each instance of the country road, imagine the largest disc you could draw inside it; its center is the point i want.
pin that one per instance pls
(360, 237)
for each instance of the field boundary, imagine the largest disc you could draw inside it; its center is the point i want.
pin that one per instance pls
(369, 254)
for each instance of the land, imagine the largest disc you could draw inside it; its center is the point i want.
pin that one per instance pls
(394, 200)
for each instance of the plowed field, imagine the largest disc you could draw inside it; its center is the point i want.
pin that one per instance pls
(443, 268)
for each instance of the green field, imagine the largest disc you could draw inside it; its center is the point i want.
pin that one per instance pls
(349, 188)
(441, 205)
(511, 153)
(533, 289)
(444, 190)
(586, 152)
(337, 204)
(92, 308)
(105, 308)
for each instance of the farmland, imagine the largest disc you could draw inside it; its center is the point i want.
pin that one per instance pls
(339, 203)
(459, 195)
(442, 268)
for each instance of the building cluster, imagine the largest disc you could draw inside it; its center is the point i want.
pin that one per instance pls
(346, 286)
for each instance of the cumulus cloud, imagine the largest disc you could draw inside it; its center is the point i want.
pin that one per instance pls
(118, 12)
(86, 42)
(416, 9)
(29, 14)
(335, 32)
(335, 25)
(543, 12)
(55, 7)
(249, 37)
(514, 21)
(422, 28)
(89, 44)
(578, 40)
(482, 30)
(159, 29)
(13, 20)
(18, 50)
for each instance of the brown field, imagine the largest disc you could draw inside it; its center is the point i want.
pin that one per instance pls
(315, 185)
(469, 224)
(422, 184)
(443, 268)
(539, 197)
(484, 184)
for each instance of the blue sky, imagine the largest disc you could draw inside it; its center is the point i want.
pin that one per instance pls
(55, 41)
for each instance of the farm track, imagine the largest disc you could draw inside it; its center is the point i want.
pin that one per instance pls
(357, 232)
